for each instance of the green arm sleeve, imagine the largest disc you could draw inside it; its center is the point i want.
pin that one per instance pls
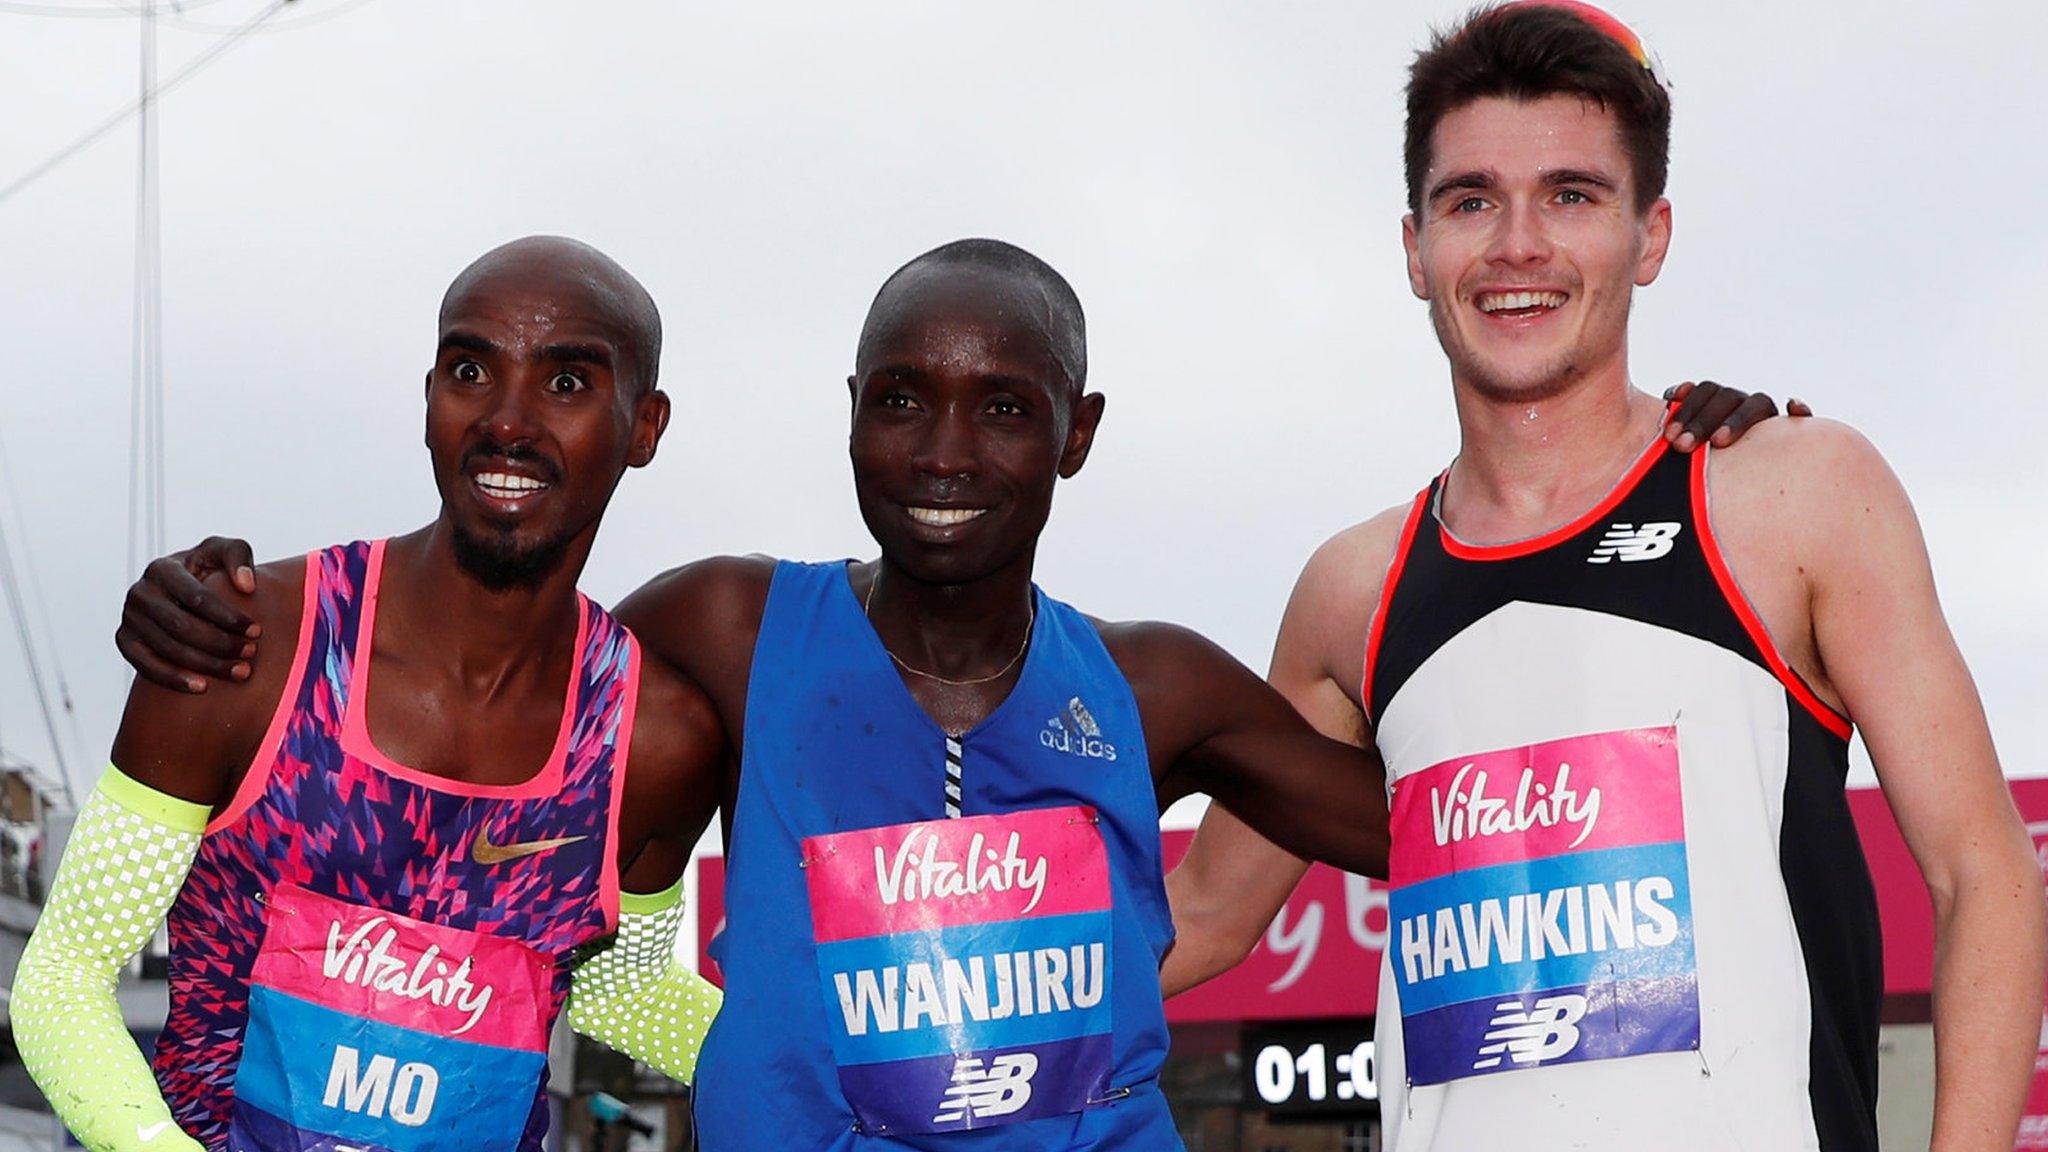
(127, 858)
(634, 996)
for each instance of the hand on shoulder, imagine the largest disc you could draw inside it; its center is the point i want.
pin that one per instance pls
(196, 746)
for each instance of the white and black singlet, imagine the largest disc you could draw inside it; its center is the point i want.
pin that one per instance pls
(1629, 907)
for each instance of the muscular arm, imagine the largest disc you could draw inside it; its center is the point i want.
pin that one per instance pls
(1213, 726)
(702, 619)
(1233, 881)
(1852, 603)
(635, 996)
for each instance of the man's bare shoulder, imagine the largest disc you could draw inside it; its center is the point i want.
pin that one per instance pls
(189, 744)
(702, 620)
(679, 744)
(713, 576)
(1811, 458)
(1323, 633)
(1338, 589)
(1815, 485)
(676, 710)
(1350, 566)
(709, 594)
(280, 599)
(1156, 646)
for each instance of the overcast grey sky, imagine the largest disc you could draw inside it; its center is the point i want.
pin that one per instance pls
(1856, 193)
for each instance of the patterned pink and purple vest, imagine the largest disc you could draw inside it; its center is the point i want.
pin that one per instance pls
(370, 956)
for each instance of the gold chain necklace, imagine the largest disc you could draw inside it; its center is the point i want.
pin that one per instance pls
(1030, 621)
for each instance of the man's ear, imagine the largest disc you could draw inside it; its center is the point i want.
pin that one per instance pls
(1081, 433)
(1411, 243)
(650, 420)
(1656, 243)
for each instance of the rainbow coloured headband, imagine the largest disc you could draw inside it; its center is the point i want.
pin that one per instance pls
(1606, 24)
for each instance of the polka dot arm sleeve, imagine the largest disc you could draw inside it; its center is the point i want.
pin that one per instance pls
(123, 866)
(634, 996)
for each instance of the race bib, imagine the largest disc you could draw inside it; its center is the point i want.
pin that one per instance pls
(374, 1031)
(965, 967)
(1541, 907)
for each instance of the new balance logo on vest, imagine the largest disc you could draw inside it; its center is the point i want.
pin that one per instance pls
(1628, 542)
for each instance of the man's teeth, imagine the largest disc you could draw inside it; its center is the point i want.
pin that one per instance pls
(944, 517)
(506, 485)
(1515, 301)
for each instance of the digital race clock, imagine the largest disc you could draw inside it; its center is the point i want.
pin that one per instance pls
(1312, 1068)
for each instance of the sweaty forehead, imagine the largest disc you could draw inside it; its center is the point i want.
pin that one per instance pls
(540, 295)
(1506, 133)
(962, 319)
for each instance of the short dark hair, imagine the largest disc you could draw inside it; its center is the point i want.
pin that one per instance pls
(1537, 48)
(1067, 323)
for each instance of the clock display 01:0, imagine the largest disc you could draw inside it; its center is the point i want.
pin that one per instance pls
(1284, 1075)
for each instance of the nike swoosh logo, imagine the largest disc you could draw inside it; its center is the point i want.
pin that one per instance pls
(151, 1132)
(484, 852)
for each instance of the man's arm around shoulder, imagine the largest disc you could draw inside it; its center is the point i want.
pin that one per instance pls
(635, 995)
(1233, 881)
(702, 619)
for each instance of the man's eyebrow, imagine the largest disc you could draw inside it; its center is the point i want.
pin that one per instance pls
(1558, 177)
(468, 342)
(1474, 181)
(577, 354)
(1009, 382)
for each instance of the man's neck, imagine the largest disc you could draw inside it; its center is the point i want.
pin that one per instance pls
(1527, 466)
(483, 637)
(950, 629)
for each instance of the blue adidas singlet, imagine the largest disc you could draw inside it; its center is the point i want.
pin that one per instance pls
(936, 943)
